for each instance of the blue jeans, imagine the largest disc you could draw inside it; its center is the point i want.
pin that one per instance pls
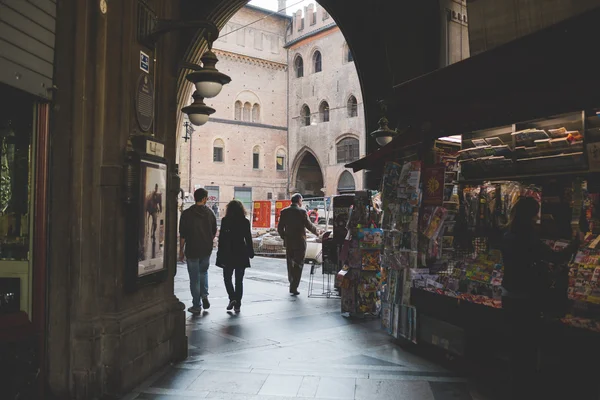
(198, 270)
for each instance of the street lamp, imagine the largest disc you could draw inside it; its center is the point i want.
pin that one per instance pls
(207, 80)
(384, 134)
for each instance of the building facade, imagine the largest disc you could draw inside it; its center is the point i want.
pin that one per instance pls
(242, 152)
(326, 116)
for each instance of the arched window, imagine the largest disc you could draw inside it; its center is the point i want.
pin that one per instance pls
(324, 111)
(247, 112)
(347, 150)
(348, 54)
(317, 62)
(238, 111)
(305, 115)
(346, 182)
(280, 161)
(352, 107)
(299, 66)
(256, 113)
(218, 149)
(256, 157)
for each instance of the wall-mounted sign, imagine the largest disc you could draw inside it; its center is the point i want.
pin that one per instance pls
(144, 102)
(155, 148)
(144, 62)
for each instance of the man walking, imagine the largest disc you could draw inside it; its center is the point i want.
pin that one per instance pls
(197, 229)
(292, 229)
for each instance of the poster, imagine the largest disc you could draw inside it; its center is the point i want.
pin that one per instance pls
(433, 185)
(261, 214)
(152, 217)
(280, 205)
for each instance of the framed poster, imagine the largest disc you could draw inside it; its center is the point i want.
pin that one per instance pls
(151, 235)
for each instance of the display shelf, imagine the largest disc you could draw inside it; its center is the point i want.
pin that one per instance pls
(522, 177)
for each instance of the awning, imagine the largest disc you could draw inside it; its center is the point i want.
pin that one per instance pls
(552, 71)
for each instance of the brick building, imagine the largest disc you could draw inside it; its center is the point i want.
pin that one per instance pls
(242, 152)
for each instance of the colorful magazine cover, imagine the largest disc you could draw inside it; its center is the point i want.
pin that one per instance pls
(370, 238)
(371, 260)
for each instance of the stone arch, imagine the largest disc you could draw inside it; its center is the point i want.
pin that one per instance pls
(376, 73)
(306, 164)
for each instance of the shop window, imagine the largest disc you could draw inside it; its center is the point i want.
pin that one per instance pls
(16, 125)
(299, 66)
(305, 115)
(256, 157)
(238, 111)
(347, 150)
(218, 147)
(352, 107)
(280, 160)
(324, 111)
(256, 113)
(318, 61)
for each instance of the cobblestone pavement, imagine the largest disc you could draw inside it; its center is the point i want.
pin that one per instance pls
(285, 347)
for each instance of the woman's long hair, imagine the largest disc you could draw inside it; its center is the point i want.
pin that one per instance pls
(235, 210)
(522, 215)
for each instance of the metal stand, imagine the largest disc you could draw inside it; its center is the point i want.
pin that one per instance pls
(328, 281)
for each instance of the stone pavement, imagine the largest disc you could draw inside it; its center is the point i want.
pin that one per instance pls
(285, 347)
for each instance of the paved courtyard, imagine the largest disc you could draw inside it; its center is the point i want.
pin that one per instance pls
(285, 347)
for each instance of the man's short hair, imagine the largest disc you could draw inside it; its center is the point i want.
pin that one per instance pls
(297, 198)
(200, 194)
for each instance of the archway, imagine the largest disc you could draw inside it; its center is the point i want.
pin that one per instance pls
(346, 183)
(379, 69)
(309, 178)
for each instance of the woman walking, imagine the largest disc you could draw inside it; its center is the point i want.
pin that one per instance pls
(235, 251)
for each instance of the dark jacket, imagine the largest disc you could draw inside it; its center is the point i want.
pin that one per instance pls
(198, 226)
(235, 243)
(521, 254)
(292, 226)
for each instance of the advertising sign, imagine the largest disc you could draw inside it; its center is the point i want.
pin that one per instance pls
(433, 185)
(151, 257)
(280, 205)
(261, 214)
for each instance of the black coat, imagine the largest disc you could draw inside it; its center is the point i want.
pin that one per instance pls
(235, 244)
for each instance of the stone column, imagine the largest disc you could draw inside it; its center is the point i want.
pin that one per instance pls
(102, 340)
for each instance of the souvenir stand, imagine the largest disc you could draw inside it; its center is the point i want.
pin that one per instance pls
(531, 131)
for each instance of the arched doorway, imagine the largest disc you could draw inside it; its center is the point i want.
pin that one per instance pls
(309, 178)
(346, 183)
